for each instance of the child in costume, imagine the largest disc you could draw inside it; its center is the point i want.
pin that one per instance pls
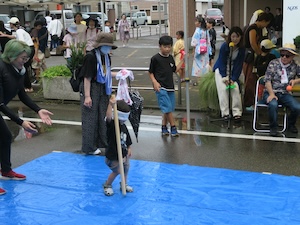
(111, 152)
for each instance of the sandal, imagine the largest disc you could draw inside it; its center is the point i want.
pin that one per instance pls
(108, 191)
(237, 118)
(128, 188)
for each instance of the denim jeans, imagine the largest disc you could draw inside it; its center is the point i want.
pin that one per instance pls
(286, 100)
(54, 44)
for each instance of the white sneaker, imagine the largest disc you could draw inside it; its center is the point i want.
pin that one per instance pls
(108, 191)
(97, 152)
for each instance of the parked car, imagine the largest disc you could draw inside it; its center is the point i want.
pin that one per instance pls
(215, 14)
(5, 18)
(137, 18)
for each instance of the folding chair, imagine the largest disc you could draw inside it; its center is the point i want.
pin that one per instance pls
(260, 85)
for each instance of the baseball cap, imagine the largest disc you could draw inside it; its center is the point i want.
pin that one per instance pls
(267, 44)
(14, 20)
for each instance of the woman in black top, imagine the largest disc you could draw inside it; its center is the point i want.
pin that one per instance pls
(3, 40)
(12, 71)
(94, 93)
(253, 37)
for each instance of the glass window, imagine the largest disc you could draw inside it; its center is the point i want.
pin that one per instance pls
(134, 7)
(69, 15)
(4, 18)
(155, 8)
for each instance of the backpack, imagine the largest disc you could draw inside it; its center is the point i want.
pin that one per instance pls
(77, 75)
(76, 79)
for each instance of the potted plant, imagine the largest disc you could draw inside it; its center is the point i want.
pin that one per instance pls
(77, 56)
(56, 83)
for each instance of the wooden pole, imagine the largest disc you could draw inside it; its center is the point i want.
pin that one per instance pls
(119, 148)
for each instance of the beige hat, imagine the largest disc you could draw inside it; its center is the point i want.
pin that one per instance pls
(267, 44)
(104, 39)
(14, 20)
(289, 47)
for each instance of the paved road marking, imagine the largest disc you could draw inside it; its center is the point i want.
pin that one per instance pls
(200, 133)
(131, 54)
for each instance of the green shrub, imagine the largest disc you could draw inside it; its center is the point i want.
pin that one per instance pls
(297, 41)
(208, 92)
(57, 71)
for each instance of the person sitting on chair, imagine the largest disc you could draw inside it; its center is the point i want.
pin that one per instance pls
(281, 73)
(221, 69)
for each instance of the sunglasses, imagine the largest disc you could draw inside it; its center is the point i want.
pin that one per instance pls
(286, 55)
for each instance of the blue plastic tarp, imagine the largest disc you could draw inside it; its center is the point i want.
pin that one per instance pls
(66, 189)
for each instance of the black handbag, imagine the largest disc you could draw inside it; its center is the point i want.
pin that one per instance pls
(249, 58)
(76, 79)
(54, 37)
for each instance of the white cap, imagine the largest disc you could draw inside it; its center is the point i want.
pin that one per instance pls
(14, 20)
(268, 44)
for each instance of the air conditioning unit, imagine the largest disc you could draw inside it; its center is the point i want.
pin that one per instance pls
(68, 6)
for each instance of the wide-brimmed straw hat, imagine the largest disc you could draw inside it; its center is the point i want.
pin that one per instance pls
(290, 48)
(104, 39)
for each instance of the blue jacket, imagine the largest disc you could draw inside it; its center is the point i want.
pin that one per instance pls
(221, 62)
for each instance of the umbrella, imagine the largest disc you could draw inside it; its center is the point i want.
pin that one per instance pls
(136, 110)
(132, 97)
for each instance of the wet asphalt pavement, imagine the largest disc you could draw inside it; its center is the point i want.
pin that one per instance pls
(207, 143)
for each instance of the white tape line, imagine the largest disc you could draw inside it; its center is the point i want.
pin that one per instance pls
(200, 133)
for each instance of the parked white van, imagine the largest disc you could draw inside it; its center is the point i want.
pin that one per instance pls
(68, 16)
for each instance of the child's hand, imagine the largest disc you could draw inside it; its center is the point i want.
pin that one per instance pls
(112, 100)
(156, 86)
(36, 59)
(129, 152)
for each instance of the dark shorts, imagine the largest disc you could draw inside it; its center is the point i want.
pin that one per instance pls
(114, 164)
(166, 100)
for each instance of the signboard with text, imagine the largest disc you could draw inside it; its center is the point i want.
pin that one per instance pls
(291, 18)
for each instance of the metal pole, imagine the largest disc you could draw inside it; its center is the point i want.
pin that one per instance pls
(159, 18)
(186, 68)
(63, 18)
(102, 13)
(245, 12)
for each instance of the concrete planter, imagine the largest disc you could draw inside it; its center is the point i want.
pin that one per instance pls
(59, 88)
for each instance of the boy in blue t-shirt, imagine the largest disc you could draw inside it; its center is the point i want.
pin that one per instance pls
(162, 67)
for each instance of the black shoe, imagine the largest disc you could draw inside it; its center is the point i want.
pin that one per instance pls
(274, 133)
(226, 117)
(293, 129)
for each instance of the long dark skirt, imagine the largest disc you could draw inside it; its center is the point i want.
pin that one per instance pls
(93, 124)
